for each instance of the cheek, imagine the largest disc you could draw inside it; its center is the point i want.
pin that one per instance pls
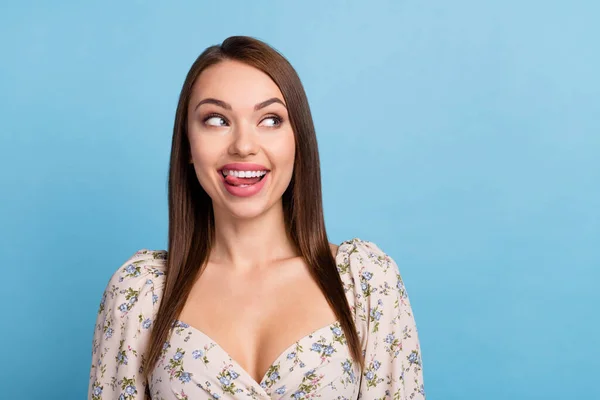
(203, 150)
(291, 149)
(204, 160)
(283, 152)
(284, 159)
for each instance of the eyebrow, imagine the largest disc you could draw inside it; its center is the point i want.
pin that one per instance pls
(227, 106)
(268, 102)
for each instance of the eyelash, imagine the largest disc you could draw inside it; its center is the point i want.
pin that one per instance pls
(214, 115)
(275, 117)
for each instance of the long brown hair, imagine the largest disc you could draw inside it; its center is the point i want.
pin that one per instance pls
(191, 218)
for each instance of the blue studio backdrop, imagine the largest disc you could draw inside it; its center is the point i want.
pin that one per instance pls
(462, 137)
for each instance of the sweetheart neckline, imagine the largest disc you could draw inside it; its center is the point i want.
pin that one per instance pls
(281, 354)
(338, 252)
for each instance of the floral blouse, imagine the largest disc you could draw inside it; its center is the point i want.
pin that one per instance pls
(319, 365)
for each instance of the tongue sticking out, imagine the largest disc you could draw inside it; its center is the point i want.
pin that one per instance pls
(235, 181)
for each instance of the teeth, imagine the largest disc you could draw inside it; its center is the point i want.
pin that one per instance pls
(244, 174)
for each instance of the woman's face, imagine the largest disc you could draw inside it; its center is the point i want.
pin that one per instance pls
(242, 143)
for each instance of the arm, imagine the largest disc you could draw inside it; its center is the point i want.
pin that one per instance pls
(122, 330)
(393, 367)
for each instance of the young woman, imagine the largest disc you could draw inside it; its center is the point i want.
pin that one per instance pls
(251, 301)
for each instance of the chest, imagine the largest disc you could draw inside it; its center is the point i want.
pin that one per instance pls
(255, 317)
(193, 366)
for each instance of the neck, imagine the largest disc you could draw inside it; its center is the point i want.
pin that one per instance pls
(251, 243)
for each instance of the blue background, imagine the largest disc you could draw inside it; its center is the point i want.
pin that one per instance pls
(462, 137)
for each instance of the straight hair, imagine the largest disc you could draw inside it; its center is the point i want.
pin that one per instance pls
(191, 215)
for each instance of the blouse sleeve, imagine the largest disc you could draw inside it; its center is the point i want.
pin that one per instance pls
(393, 367)
(122, 329)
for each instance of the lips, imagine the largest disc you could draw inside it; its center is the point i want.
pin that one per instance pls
(242, 186)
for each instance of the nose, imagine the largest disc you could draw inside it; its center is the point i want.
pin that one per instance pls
(244, 141)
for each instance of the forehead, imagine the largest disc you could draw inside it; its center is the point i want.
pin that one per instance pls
(236, 83)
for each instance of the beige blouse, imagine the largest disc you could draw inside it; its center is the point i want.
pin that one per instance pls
(194, 366)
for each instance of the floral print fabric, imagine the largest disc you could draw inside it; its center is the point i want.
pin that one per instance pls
(319, 365)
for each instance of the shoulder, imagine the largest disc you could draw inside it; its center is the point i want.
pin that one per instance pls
(369, 272)
(125, 317)
(365, 260)
(139, 278)
(379, 298)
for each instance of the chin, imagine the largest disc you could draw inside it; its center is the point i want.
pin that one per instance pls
(247, 210)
